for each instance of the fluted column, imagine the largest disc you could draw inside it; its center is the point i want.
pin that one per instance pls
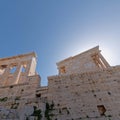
(103, 60)
(17, 73)
(5, 75)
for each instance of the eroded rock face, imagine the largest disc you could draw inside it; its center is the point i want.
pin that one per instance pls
(8, 114)
(26, 112)
(86, 88)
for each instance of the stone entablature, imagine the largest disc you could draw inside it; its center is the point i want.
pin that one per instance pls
(14, 70)
(86, 61)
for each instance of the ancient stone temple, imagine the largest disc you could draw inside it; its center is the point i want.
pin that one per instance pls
(86, 88)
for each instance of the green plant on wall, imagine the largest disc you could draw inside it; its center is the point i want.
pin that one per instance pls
(14, 106)
(3, 99)
(27, 118)
(52, 105)
(48, 110)
(37, 113)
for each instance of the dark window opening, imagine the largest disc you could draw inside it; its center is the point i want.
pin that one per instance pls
(3, 66)
(38, 95)
(101, 109)
(11, 86)
(109, 93)
(62, 69)
(22, 90)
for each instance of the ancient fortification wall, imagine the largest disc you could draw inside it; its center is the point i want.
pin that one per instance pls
(86, 88)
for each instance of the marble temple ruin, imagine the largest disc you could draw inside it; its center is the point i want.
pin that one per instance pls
(86, 88)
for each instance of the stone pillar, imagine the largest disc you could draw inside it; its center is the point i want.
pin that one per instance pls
(5, 75)
(100, 62)
(28, 67)
(104, 61)
(96, 61)
(17, 74)
(31, 66)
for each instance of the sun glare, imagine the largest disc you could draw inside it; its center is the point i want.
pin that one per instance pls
(108, 55)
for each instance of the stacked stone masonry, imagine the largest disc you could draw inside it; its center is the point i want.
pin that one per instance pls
(86, 88)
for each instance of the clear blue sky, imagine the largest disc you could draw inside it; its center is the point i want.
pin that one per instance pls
(57, 29)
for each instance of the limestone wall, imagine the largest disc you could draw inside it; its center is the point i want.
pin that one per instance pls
(80, 96)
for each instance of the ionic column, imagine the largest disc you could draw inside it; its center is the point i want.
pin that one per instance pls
(103, 60)
(28, 67)
(5, 75)
(96, 61)
(31, 65)
(17, 73)
(100, 62)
